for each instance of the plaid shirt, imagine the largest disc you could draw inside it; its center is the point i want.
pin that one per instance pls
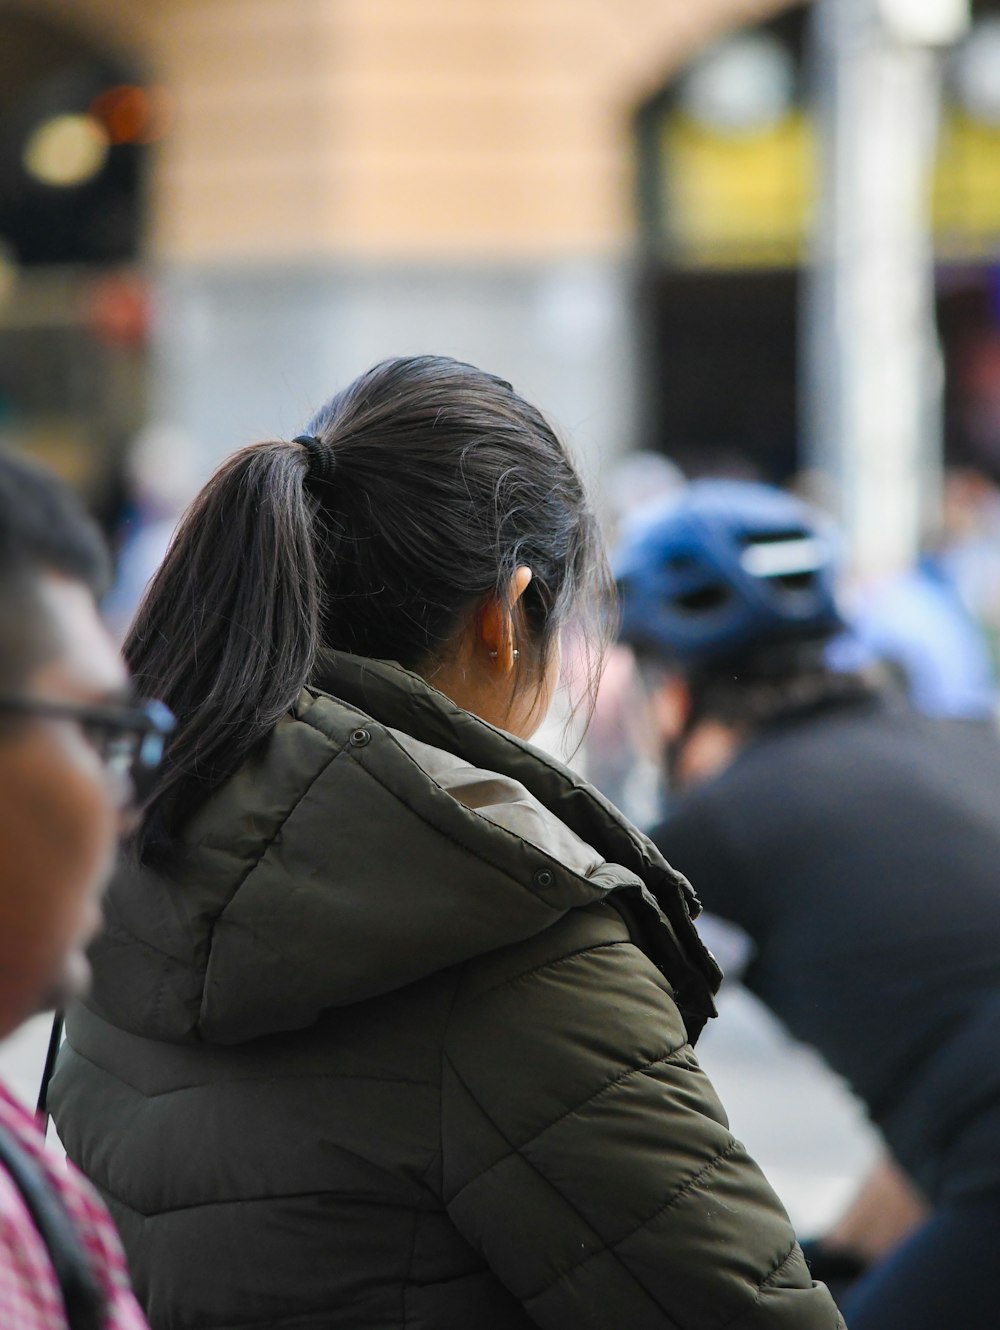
(29, 1291)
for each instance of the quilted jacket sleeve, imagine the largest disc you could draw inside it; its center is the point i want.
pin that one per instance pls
(587, 1158)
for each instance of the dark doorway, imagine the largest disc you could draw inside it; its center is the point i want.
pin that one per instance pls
(720, 370)
(718, 299)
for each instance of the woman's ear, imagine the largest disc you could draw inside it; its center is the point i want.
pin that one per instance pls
(519, 584)
(496, 622)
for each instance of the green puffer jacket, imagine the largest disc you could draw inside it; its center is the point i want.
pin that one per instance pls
(401, 1043)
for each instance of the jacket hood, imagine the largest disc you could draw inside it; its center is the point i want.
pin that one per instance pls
(381, 835)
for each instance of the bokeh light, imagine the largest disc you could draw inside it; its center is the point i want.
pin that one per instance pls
(66, 150)
(977, 71)
(133, 114)
(742, 85)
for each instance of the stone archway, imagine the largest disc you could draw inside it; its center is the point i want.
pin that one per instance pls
(648, 39)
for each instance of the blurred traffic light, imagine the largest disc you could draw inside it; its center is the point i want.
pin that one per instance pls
(75, 126)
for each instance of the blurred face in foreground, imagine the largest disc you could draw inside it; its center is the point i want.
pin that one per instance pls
(60, 810)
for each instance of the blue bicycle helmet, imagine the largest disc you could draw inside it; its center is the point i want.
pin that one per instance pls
(723, 569)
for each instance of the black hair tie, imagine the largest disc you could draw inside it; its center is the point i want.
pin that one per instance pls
(322, 459)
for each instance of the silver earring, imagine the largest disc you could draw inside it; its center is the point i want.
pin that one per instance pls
(516, 653)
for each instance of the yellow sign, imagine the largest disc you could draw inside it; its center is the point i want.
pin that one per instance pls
(966, 189)
(737, 200)
(745, 200)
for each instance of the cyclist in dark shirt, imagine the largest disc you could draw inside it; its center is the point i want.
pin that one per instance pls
(854, 841)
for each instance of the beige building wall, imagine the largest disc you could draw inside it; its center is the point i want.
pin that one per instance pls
(350, 179)
(406, 128)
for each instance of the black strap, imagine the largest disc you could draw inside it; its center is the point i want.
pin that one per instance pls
(81, 1295)
(51, 1053)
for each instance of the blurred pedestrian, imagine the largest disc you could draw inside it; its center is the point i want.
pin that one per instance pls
(619, 761)
(162, 475)
(917, 623)
(67, 736)
(856, 842)
(387, 1028)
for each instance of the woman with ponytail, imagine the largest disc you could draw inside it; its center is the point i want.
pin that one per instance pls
(387, 1028)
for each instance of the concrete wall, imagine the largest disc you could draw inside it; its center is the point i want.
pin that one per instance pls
(245, 354)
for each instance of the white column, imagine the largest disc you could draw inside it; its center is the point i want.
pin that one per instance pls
(872, 376)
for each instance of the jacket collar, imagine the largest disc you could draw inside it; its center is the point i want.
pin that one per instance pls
(381, 835)
(402, 700)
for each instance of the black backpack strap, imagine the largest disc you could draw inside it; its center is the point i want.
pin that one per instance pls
(81, 1295)
(51, 1053)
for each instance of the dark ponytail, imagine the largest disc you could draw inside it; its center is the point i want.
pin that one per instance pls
(425, 485)
(229, 628)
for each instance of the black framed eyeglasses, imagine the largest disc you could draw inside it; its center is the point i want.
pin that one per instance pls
(129, 736)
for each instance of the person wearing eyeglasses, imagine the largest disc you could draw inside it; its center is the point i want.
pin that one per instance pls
(74, 752)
